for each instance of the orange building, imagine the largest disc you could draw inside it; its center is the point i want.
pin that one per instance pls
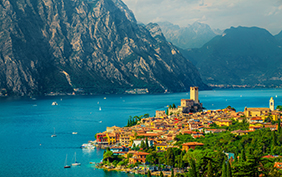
(138, 157)
(187, 146)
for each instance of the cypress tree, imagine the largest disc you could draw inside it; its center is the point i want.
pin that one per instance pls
(243, 156)
(161, 174)
(172, 173)
(147, 143)
(279, 126)
(274, 139)
(209, 173)
(142, 144)
(228, 170)
(192, 171)
(149, 174)
(224, 172)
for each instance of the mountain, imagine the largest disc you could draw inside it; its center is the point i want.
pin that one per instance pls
(240, 56)
(90, 46)
(193, 36)
(278, 37)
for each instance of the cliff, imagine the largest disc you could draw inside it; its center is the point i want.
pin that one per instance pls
(92, 46)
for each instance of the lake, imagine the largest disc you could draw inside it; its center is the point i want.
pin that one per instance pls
(26, 126)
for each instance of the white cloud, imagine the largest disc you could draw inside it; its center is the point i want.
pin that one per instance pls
(217, 13)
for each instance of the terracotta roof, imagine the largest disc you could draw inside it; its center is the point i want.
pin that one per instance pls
(193, 144)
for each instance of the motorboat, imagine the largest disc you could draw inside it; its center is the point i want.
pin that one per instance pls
(54, 103)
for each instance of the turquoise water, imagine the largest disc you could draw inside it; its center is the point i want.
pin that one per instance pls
(26, 126)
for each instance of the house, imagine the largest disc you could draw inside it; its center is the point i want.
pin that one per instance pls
(214, 130)
(161, 147)
(137, 142)
(119, 150)
(254, 128)
(138, 157)
(160, 114)
(192, 145)
(101, 138)
(271, 127)
(223, 123)
(124, 138)
(240, 132)
(256, 120)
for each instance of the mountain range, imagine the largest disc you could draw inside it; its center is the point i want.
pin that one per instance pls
(191, 36)
(240, 57)
(89, 46)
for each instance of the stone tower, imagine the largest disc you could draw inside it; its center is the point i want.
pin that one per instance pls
(194, 94)
(271, 104)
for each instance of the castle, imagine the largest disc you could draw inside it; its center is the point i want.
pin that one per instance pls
(188, 105)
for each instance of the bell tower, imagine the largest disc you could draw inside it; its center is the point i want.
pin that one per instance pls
(194, 94)
(271, 104)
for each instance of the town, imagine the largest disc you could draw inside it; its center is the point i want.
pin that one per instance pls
(188, 139)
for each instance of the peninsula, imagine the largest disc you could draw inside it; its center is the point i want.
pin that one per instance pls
(187, 140)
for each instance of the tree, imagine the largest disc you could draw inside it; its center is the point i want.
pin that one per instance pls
(172, 173)
(173, 105)
(192, 171)
(274, 139)
(146, 115)
(224, 172)
(170, 157)
(147, 143)
(142, 144)
(161, 174)
(228, 170)
(108, 155)
(149, 174)
(209, 173)
(279, 126)
(243, 156)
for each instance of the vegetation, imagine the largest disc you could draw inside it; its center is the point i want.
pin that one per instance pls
(133, 121)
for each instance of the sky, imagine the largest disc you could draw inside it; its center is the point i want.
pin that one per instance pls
(220, 14)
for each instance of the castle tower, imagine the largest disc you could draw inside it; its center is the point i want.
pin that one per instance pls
(194, 94)
(271, 104)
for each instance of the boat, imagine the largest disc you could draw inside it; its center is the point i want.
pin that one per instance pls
(54, 103)
(100, 108)
(75, 162)
(54, 135)
(66, 166)
(74, 133)
(87, 146)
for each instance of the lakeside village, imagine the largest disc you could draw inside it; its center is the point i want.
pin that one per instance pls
(189, 141)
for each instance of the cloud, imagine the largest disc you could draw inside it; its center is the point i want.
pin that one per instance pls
(217, 13)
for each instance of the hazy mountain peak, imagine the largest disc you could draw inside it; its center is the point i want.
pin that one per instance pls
(123, 7)
(192, 36)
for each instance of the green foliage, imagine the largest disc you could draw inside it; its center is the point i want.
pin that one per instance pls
(228, 170)
(133, 121)
(224, 170)
(209, 173)
(279, 107)
(229, 107)
(161, 174)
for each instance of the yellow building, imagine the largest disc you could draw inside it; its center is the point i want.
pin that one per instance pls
(254, 112)
(223, 123)
(161, 147)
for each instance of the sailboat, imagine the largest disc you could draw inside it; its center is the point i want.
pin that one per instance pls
(54, 135)
(66, 166)
(75, 162)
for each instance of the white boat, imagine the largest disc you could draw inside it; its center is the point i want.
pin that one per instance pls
(100, 108)
(54, 103)
(74, 133)
(54, 135)
(75, 162)
(87, 146)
